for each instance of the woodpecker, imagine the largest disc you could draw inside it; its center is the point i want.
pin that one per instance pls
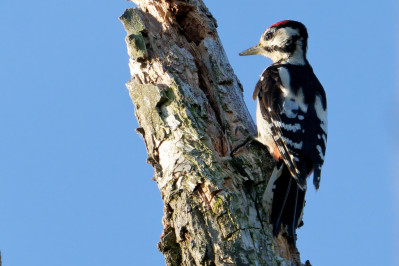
(291, 117)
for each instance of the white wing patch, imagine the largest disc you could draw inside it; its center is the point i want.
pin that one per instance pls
(285, 78)
(296, 145)
(290, 108)
(288, 127)
(292, 101)
(300, 99)
(325, 139)
(321, 113)
(321, 154)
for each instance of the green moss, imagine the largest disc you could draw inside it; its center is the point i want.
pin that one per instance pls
(218, 206)
(196, 112)
(167, 96)
(132, 21)
(137, 49)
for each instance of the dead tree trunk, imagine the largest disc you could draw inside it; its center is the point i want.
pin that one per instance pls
(197, 128)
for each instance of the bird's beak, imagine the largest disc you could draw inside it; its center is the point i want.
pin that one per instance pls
(253, 50)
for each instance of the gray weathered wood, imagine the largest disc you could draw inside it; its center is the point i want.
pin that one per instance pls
(197, 131)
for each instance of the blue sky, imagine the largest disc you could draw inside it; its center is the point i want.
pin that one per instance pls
(75, 188)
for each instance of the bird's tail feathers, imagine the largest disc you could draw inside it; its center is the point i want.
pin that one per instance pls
(287, 204)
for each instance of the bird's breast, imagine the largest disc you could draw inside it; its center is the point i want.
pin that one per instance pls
(264, 133)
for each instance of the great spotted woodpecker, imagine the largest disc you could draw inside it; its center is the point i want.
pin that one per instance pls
(291, 118)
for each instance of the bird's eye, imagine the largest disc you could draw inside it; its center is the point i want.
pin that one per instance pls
(268, 36)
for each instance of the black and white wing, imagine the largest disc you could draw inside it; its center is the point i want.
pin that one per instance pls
(294, 115)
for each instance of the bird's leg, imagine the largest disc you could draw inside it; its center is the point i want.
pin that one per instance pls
(278, 221)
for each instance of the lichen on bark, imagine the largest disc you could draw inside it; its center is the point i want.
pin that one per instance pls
(198, 132)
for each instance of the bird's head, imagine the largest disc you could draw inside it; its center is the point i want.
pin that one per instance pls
(283, 42)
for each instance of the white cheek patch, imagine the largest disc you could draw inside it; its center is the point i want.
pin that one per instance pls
(281, 36)
(297, 57)
(280, 39)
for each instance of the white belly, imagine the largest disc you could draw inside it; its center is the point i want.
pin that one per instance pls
(264, 133)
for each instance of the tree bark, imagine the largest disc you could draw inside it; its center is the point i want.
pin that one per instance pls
(198, 134)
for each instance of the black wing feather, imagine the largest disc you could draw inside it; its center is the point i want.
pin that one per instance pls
(269, 93)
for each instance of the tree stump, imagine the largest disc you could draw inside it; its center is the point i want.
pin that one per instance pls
(199, 138)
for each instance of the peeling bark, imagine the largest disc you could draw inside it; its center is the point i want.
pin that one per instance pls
(198, 134)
